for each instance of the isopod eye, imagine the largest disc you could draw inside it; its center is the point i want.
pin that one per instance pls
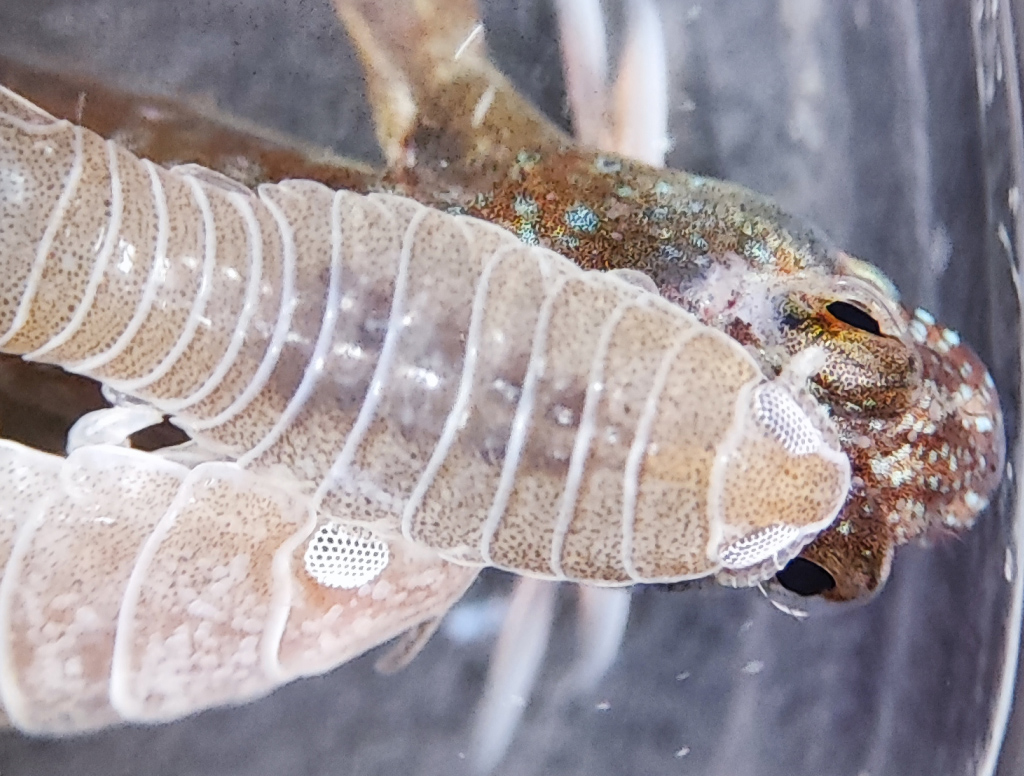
(346, 557)
(854, 316)
(805, 578)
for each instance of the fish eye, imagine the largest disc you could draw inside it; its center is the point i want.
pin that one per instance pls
(854, 316)
(805, 578)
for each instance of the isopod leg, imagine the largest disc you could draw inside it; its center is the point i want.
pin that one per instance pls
(407, 647)
(603, 613)
(515, 663)
(630, 116)
(585, 65)
(111, 426)
(640, 112)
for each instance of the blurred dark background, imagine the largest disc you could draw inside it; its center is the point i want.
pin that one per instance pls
(896, 126)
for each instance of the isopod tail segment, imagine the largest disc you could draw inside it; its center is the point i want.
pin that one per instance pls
(109, 612)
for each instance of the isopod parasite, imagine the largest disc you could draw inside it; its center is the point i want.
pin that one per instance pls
(809, 320)
(447, 366)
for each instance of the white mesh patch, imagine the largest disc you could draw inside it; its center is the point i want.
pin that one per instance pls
(785, 420)
(758, 547)
(345, 557)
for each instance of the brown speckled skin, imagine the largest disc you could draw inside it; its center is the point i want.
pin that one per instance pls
(907, 409)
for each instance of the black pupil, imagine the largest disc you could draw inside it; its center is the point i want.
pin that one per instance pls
(854, 316)
(805, 578)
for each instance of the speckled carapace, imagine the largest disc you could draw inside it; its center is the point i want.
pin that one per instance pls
(916, 410)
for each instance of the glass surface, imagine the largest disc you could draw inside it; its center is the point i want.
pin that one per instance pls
(894, 125)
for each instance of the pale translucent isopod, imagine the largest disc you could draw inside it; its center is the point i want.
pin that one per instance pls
(389, 398)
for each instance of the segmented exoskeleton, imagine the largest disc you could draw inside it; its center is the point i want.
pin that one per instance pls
(425, 388)
(419, 377)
